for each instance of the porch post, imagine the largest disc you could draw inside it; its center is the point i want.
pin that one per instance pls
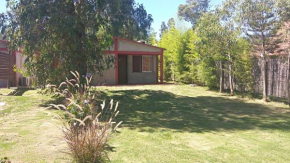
(116, 60)
(157, 69)
(161, 67)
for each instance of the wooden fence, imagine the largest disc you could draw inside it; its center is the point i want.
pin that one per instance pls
(276, 75)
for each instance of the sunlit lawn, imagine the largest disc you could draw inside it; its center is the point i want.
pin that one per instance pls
(170, 123)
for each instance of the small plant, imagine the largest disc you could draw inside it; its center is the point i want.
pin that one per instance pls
(89, 126)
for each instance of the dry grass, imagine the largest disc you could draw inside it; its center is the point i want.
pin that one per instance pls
(28, 131)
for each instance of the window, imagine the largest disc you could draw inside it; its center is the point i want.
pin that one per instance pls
(146, 64)
(142, 63)
(137, 63)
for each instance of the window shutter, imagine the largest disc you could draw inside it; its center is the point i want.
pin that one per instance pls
(137, 63)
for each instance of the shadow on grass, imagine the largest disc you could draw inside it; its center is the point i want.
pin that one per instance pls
(252, 95)
(19, 91)
(54, 100)
(150, 111)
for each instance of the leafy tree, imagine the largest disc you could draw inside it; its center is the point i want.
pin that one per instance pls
(171, 40)
(192, 10)
(188, 58)
(130, 20)
(230, 35)
(73, 33)
(211, 48)
(259, 22)
(243, 65)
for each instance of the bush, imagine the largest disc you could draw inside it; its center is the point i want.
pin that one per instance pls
(5, 160)
(87, 138)
(88, 126)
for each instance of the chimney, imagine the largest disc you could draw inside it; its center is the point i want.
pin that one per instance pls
(142, 41)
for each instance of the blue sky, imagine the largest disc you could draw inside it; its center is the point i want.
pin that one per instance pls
(161, 10)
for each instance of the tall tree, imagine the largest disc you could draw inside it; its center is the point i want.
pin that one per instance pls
(171, 23)
(131, 20)
(259, 22)
(284, 8)
(192, 10)
(227, 14)
(188, 58)
(72, 32)
(211, 48)
(163, 28)
(171, 40)
(152, 37)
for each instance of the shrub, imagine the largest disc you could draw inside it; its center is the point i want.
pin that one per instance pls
(88, 126)
(5, 160)
(87, 138)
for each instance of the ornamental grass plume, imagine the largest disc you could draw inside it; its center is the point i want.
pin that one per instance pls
(88, 126)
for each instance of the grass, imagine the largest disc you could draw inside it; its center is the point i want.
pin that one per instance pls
(169, 123)
(28, 131)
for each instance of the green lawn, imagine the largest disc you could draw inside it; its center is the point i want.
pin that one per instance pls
(169, 123)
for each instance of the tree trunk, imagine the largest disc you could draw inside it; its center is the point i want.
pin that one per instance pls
(264, 69)
(288, 81)
(264, 73)
(221, 77)
(192, 73)
(230, 76)
(231, 80)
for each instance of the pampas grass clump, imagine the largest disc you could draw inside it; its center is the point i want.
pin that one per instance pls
(88, 126)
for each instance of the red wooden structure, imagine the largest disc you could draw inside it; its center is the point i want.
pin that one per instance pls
(7, 61)
(117, 53)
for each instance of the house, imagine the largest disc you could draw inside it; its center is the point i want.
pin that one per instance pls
(8, 61)
(135, 63)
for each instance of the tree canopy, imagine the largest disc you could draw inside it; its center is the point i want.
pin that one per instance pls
(192, 10)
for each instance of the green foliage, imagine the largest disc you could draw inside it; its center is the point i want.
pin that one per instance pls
(129, 20)
(243, 66)
(89, 126)
(171, 41)
(194, 56)
(188, 58)
(208, 73)
(152, 38)
(211, 47)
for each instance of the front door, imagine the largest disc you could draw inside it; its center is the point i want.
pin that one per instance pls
(122, 69)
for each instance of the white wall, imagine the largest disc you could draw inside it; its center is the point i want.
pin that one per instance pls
(107, 78)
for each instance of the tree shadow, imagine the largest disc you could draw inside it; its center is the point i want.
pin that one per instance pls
(54, 100)
(19, 91)
(151, 111)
